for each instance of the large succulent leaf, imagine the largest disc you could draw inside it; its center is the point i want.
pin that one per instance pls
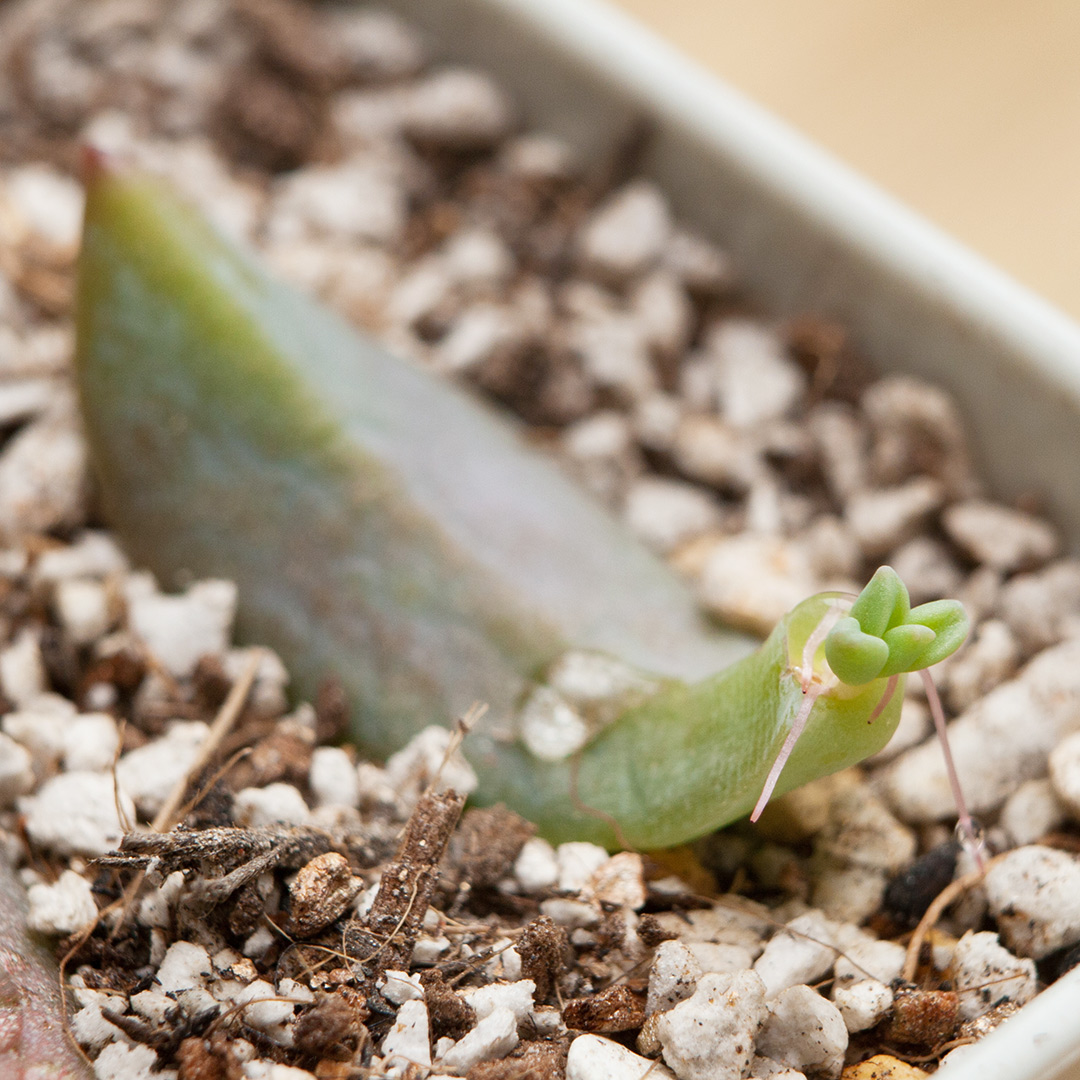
(382, 525)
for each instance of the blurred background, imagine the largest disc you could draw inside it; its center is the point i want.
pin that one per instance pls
(968, 111)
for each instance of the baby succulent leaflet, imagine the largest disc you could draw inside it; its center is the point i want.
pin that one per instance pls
(385, 527)
(877, 636)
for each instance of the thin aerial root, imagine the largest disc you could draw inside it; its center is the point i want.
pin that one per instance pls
(967, 831)
(949, 895)
(801, 717)
(886, 697)
(814, 642)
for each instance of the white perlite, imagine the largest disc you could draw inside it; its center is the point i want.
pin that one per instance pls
(180, 629)
(42, 729)
(986, 974)
(884, 518)
(592, 1058)
(628, 232)
(802, 953)
(48, 203)
(1034, 894)
(862, 1004)
(63, 907)
(91, 741)
(717, 956)
(16, 771)
(665, 513)
(537, 866)
(578, 861)
(754, 581)
(91, 1026)
(118, 1061)
(149, 773)
(619, 881)
(272, 1070)
(1000, 537)
(859, 847)
(1000, 742)
(988, 660)
(92, 555)
(766, 1068)
(710, 1035)
(458, 109)
(399, 986)
(265, 1012)
(515, 996)
(592, 678)
(82, 607)
(493, 1037)
(76, 814)
(43, 476)
(360, 199)
(805, 1031)
(551, 728)
(870, 958)
(186, 966)
(673, 976)
(1041, 608)
(423, 759)
(1032, 811)
(1065, 772)
(755, 380)
(22, 671)
(267, 805)
(333, 777)
(408, 1041)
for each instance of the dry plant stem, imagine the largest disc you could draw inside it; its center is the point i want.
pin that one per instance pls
(969, 834)
(227, 715)
(947, 896)
(167, 816)
(396, 914)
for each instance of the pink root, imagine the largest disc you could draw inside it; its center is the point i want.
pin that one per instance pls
(886, 697)
(797, 727)
(813, 643)
(966, 828)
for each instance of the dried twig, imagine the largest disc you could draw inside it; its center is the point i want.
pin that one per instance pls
(386, 937)
(168, 815)
(227, 715)
(952, 892)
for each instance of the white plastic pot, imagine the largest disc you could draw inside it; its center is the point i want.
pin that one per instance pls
(810, 235)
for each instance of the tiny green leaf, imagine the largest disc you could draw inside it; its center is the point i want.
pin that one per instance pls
(949, 622)
(907, 644)
(854, 656)
(911, 639)
(882, 604)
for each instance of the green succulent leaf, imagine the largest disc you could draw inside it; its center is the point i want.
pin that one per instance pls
(883, 635)
(882, 604)
(949, 622)
(854, 656)
(907, 644)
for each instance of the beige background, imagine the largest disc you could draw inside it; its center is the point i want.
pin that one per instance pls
(968, 110)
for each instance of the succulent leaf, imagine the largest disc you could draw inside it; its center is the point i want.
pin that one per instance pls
(910, 638)
(854, 656)
(949, 622)
(883, 603)
(907, 645)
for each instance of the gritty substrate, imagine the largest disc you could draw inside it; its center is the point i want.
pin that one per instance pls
(323, 915)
